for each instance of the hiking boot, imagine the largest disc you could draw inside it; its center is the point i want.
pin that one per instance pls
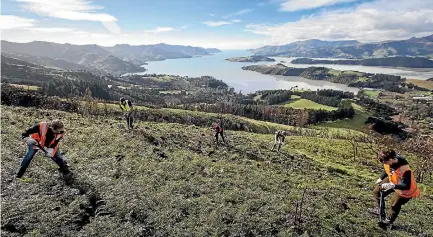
(386, 224)
(21, 172)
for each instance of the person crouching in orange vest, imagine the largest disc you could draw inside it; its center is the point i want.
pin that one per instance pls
(44, 136)
(397, 178)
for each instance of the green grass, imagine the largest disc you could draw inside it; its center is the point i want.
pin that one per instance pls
(308, 104)
(26, 87)
(334, 72)
(356, 123)
(195, 189)
(371, 94)
(170, 92)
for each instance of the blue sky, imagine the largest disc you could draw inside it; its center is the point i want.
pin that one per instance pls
(227, 24)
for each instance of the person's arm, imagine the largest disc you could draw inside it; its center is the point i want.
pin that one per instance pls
(383, 175)
(405, 185)
(131, 105)
(30, 131)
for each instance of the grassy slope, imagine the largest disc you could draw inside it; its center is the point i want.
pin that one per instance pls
(356, 123)
(184, 186)
(308, 104)
(422, 83)
(372, 94)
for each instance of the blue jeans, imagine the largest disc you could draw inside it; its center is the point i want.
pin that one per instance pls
(31, 153)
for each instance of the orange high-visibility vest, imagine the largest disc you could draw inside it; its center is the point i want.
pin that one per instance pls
(41, 137)
(397, 177)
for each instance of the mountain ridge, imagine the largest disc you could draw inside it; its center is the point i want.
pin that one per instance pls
(117, 60)
(315, 48)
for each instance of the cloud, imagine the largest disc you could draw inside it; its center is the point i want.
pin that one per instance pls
(75, 10)
(12, 22)
(236, 21)
(374, 21)
(217, 23)
(296, 5)
(160, 30)
(210, 14)
(238, 13)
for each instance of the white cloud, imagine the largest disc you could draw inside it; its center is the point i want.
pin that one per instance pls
(160, 30)
(210, 14)
(236, 21)
(12, 22)
(296, 5)
(375, 21)
(51, 30)
(76, 10)
(238, 13)
(183, 27)
(217, 23)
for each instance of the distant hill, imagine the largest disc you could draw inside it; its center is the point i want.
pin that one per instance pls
(142, 53)
(254, 58)
(116, 60)
(351, 49)
(399, 61)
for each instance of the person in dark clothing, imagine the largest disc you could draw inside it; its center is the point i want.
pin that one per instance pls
(129, 112)
(279, 139)
(397, 178)
(218, 130)
(46, 137)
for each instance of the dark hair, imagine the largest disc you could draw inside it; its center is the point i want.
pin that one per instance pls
(387, 155)
(122, 99)
(55, 124)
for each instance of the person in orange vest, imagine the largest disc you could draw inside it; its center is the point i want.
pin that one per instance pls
(44, 136)
(218, 130)
(397, 178)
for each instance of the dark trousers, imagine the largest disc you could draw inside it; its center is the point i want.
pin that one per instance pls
(130, 119)
(222, 136)
(397, 201)
(58, 159)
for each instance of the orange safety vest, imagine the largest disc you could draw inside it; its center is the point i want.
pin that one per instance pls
(41, 137)
(397, 176)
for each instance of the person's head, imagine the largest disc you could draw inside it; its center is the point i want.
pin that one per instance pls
(284, 133)
(57, 126)
(122, 100)
(388, 157)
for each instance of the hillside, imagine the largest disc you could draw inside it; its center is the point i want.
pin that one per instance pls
(169, 174)
(254, 58)
(142, 53)
(350, 78)
(116, 60)
(351, 49)
(398, 61)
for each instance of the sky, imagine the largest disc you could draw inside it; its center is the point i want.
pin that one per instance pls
(224, 24)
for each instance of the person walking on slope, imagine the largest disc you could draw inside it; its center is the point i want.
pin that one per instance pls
(129, 112)
(46, 137)
(279, 139)
(397, 178)
(218, 130)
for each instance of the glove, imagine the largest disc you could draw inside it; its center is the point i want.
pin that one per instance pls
(49, 153)
(378, 181)
(388, 186)
(30, 141)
